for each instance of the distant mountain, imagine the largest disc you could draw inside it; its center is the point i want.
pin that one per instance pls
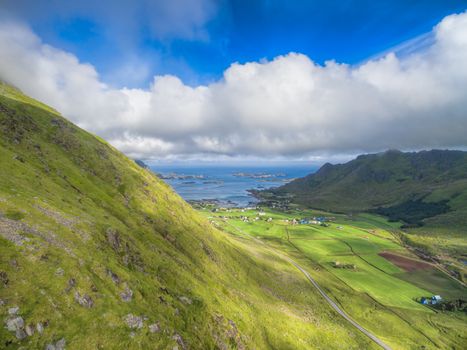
(419, 188)
(141, 163)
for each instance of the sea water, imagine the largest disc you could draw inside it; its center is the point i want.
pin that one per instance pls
(226, 184)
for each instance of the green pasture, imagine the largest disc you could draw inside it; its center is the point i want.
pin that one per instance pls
(378, 294)
(350, 241)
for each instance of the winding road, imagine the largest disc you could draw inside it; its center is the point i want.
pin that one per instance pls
(323, 293)
(337, 308)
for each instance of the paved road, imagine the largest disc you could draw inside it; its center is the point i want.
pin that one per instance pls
(337, 308)
(323, 294)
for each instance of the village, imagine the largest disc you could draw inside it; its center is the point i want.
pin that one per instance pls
(260, 215)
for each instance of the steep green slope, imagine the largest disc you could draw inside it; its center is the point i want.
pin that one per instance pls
(427, 187)
(98, 253)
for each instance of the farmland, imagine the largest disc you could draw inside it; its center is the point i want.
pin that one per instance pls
(362, 265)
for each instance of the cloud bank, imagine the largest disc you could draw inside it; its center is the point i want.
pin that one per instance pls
(288, 107)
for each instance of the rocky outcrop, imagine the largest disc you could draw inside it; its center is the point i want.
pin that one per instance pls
(133, 321)
(154, 328)
(84, 300)
(59, 345)
(127, 294)
(178, 338)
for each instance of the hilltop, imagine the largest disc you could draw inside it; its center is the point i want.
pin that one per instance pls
(427, 187)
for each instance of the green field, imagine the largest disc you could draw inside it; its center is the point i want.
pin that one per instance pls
(435, 281)
(375, 289)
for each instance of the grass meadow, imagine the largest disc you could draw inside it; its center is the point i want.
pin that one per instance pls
(378, 294)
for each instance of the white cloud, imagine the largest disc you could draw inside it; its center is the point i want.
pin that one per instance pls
(285, 107)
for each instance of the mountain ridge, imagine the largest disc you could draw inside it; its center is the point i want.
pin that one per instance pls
(381, 180)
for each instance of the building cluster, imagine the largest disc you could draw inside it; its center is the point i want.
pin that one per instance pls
(320, 220)
(435, 299)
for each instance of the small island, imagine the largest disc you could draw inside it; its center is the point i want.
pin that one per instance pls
(258, 175)
(175, 176)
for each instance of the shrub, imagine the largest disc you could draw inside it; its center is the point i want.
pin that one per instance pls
(14, 215)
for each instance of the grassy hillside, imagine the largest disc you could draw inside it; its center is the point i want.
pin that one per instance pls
(98, 253)
(411, 186)
(426, 191)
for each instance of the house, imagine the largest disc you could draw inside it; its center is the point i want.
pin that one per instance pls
(435, 299)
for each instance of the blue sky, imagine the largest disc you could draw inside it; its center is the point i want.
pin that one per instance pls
(246, 81)
(130, 51)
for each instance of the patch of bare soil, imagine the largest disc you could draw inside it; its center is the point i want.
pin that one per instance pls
(405, 263)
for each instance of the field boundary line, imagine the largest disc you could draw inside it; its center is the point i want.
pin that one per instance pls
(336, 307)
